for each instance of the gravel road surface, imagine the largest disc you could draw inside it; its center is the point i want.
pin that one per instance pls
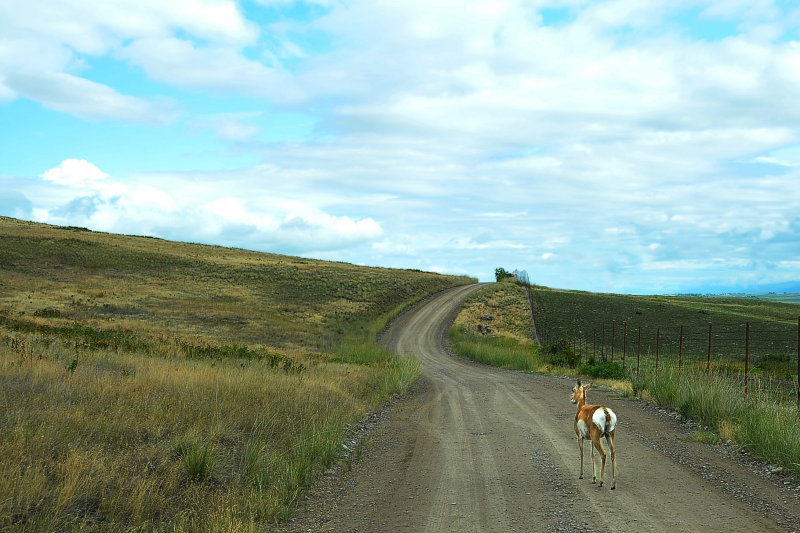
(475, 448)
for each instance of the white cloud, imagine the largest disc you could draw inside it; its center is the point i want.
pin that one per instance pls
(75, 173)
(236, 127)
(86, 99)
(155, 206)
(182, 62)
(301, 230)
(95, 28)
(45, 46)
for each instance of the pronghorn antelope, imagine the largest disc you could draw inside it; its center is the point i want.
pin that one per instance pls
(595, 422)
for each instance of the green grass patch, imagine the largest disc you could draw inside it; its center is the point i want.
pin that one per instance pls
(504, 352)
(705, 436)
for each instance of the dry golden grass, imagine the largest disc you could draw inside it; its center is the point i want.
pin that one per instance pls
(96, 446)
(149, 385)
(507, 304)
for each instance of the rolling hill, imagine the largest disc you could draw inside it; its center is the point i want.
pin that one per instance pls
(148, 384)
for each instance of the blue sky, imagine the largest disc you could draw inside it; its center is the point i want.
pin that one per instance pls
(617, 146)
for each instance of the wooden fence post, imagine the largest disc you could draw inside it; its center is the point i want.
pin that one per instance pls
(708, 363)
(586, 345)
(603, 344)
(624, 343)
(658, 346)
(639, 352)
(680, 351)
(746, 357)
(613, 331)
(798, 363)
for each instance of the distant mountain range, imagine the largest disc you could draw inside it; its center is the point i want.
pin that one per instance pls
(778, 292)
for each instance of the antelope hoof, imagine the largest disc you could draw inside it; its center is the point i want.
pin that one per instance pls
(580, 477)
(601, 484)
(613, 487)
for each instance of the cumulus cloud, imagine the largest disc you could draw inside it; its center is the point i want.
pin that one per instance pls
(75, 173)
(154, 206)
(300, 232)
(44, 50)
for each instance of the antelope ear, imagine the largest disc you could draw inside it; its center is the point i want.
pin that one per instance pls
(579, 383)
(589, 386)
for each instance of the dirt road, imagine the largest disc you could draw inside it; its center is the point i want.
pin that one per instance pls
(480, 449)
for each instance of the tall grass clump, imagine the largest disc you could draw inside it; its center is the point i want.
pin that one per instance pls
(706, 399)
(764, 426)
(773, 432)
(199, 458)
(398, 373)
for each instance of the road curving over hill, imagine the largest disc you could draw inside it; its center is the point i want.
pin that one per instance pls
(476, 448)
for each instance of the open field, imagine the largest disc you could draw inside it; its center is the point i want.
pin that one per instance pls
(149, 384)
(765, 421)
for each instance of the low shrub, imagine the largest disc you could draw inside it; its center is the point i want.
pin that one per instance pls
(559, 354)
(603, 370)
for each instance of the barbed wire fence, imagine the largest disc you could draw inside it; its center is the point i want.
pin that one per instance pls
(742, 351)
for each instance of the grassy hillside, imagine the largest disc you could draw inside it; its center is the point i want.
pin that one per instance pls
(147, 384)
(55, 277)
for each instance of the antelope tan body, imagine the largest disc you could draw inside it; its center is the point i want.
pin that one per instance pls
(593, 422)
